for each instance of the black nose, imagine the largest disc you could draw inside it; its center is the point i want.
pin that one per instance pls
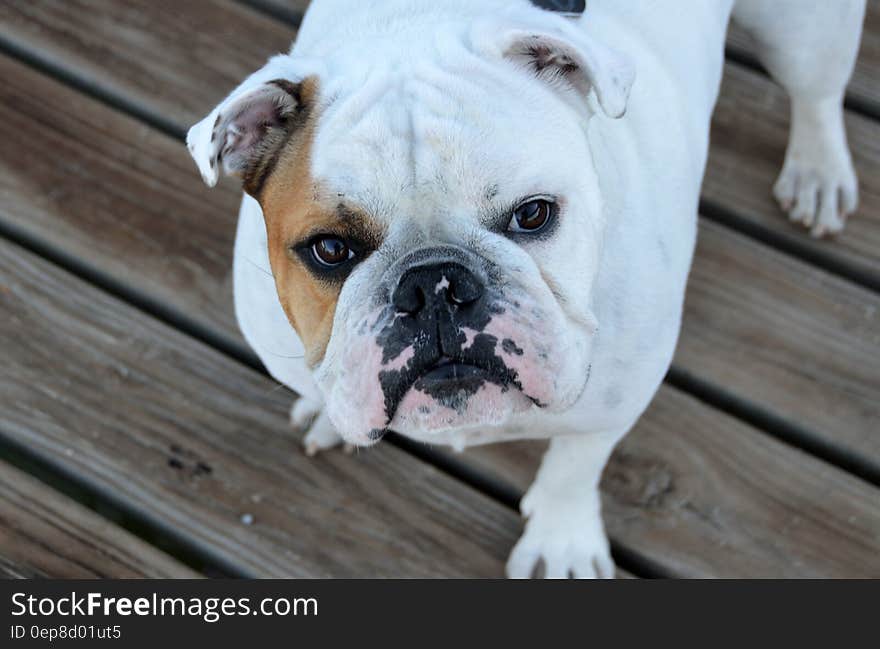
(445, 284)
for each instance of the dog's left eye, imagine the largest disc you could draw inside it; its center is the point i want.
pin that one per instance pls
(331, 251)
(531, 216)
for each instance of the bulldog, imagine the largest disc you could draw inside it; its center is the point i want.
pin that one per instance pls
(472, 221)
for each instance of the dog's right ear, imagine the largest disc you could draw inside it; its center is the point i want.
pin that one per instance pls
(560, 54)
(244, 133)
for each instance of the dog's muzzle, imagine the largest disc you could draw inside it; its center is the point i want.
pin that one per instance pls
(442, 306)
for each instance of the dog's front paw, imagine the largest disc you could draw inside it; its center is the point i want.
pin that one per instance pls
(568, 537)
(308, 415)
(818, 186)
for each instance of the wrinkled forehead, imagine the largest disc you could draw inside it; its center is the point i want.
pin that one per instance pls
(400, 140)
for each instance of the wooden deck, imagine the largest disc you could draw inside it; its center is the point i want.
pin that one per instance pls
(140, 437)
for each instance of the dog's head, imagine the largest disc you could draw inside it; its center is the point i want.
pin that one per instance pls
(434, 220)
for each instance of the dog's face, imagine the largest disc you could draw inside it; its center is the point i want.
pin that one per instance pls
(434, 228)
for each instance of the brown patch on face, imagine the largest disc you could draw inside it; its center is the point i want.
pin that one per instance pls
(296, 209)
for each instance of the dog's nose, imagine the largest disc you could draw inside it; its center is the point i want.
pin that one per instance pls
(445, 284)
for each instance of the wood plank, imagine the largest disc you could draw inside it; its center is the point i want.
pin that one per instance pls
(197, 443)
(864, 87)
(111, 49)
(43, 533)
(704, 495)
(120, 197)
(175, 59)
(771, 330)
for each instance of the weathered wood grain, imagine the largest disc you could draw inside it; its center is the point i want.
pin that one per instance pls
(185, 80)
(864, 87)
(774, 331)
(175, 59)
(197, 443)
(118, 196)
(46, 534)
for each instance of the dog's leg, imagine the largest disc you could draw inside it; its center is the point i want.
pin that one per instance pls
(564, 512)
(308, 415)
(810, 48)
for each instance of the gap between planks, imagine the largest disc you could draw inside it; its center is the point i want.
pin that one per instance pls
(44, 534)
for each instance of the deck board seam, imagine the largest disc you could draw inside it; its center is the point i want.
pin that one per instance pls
(288, 17)
(116, 101)
(772, 425)
(106, 506)
(228, 345)
(793, 247)
(865, 108)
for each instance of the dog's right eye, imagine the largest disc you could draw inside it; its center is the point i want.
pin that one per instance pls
(331, 251)
(531, 216)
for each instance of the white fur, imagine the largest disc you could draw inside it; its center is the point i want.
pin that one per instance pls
(427, 102)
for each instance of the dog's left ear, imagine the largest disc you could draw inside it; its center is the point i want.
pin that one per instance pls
(571, 57)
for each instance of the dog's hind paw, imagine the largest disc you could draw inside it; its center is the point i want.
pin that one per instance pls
(817, 186)
(819, 199)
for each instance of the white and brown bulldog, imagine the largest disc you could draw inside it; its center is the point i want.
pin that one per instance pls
(471, 221)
